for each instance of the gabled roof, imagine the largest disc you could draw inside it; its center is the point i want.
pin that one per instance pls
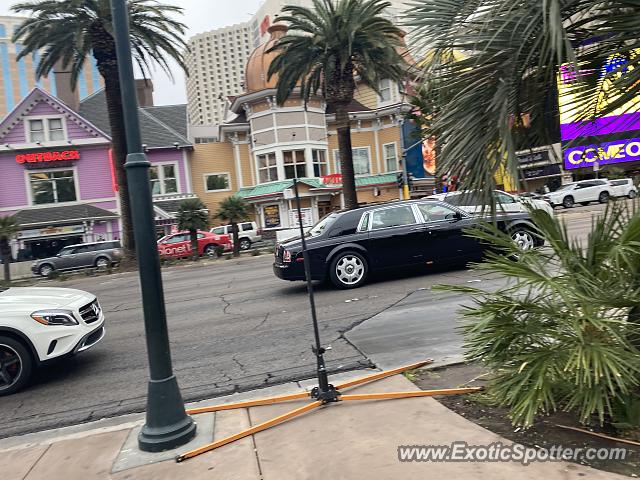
(69, 213)
(37, 94)
(161, 127)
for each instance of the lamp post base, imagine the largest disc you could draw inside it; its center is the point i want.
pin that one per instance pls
(167, 425)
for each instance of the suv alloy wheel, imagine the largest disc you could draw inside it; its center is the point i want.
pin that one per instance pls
(603, 197)
(567, 202)
(16, 365)
(245, 244)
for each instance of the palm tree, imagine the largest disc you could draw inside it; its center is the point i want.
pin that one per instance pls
(500, 95)
(562, 336)
(233, 209)
(8, 229)
(193, 216)
(324, 51)
(69, 31)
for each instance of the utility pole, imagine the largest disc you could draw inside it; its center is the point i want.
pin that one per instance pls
(405, 175)
(167, 425)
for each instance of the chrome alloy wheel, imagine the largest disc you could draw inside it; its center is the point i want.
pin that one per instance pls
(523, 239)
(350, 269)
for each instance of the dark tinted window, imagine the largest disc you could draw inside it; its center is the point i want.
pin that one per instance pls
(462, 199)
(84, 249)
(247, 227)
(345, 224)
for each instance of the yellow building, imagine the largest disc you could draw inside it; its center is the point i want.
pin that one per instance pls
(265, 145)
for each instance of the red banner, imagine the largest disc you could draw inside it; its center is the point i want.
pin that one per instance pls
(333, 179)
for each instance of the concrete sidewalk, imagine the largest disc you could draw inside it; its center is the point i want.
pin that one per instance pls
(348, 440)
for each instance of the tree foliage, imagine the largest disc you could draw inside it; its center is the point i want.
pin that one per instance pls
(233, 209)
(564, 333)
(325, 49)
(193, 216)
(493, 67)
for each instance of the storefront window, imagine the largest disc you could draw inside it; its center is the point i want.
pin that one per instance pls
(294, 164)
(163, 179)
(319, 163)
(53, 187)
(361, 164)
(267, 168)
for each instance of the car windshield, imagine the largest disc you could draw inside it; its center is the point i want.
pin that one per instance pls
(568, 186)
(322, 225)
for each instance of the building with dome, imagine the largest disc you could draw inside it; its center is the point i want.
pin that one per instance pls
(263, 146)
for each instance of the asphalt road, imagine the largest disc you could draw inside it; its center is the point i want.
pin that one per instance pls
(233, 327)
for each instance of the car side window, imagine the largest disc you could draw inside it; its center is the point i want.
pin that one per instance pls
(246, 227)
(364, 223)
(218, 231)
(82, 249)
(67, 251)
(392, 217)
(200, 235)
(176, 239)
(434, 212)
(504, 199)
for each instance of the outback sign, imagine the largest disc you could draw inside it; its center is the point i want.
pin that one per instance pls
(48, 156)
(605, 153)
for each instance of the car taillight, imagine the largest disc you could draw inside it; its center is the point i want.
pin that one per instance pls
(286, 256)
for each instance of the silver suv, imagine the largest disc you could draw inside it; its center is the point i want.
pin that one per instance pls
(248, 233)
(83, 255)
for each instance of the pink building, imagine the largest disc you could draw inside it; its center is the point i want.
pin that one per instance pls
(57, 177)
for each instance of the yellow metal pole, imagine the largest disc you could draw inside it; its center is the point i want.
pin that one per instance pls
(405, 192)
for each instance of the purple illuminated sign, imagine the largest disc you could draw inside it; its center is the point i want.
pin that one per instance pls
(604, 153)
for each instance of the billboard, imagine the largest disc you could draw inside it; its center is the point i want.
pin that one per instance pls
(605, 139)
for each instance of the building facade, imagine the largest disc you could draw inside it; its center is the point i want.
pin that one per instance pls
(58, 173)
(17, 78)
(264, 146)
(216, 62)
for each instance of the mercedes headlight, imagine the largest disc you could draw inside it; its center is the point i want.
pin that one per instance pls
(54, 317)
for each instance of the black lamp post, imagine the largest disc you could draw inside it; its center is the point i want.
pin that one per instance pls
(167, 425)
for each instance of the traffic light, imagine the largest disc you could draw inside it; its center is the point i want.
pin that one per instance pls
(399, 180)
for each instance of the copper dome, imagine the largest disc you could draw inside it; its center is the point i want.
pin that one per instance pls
(256, 74)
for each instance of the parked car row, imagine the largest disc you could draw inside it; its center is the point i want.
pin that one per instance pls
(587, 191)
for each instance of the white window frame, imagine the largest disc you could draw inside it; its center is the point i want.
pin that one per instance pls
(384, 85)
(296, 162)
(395, 156)
(268, 167)
(76, 185)
(45, 123)
(206, 175)
(162, 179)
(336, 161)
(325, 163)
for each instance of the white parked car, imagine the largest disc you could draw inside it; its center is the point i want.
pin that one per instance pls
(582, 192)
(248, 233)
(40, 324)
(505, 202)
(623, 187)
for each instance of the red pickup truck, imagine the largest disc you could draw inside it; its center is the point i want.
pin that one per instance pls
(178, 245)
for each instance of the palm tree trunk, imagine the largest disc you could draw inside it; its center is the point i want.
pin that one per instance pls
(193, 233)
(119, 145)
(5, 251)
(346, 157)
(236, 241)
(104, 51)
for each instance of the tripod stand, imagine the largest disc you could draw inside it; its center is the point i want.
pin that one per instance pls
(324, 393)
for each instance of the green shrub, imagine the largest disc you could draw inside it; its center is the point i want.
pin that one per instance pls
(564, 332)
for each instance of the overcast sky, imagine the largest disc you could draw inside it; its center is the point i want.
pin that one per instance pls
(199, 16)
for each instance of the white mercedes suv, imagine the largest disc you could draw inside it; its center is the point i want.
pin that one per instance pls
(39, 324)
